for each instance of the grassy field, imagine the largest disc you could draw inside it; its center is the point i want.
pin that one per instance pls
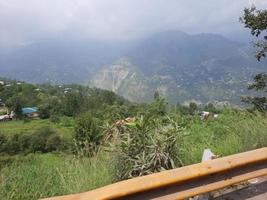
(64, 128)
(42, 175)
(232, 132)
(37, 176)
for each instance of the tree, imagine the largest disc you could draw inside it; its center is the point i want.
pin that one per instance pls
(158, 107)
(156, 95)
(73, 103)
(192, 107)
(1, 88)
(210, 108)
(256, 21)
(15, 103)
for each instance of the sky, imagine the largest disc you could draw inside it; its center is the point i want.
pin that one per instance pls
(27, 21)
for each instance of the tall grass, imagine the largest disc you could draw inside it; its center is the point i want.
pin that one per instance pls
(37, 176)
(234, 131)
(21, 127)
(42, 175)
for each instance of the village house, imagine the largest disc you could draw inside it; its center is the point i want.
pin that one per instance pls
(30, 112)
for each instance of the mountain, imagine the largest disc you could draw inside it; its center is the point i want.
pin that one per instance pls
(182, 67)
(58, 61)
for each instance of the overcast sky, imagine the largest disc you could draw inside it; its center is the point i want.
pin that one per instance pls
(25, 21)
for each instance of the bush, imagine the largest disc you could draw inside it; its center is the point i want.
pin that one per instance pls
(55, 119)
(25, 142)
(53, 143)
(43, 140)
(44, 111)
(3, 143)
(67, 121)
(13, 145)
(39, 139)
(87, 134)
(146, 146)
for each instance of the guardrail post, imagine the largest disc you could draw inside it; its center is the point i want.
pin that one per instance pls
(207, 155)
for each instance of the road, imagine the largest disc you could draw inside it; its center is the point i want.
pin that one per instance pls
(253, 190)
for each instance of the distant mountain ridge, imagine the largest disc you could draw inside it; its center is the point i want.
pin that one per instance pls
(182, 67)
(58, 61)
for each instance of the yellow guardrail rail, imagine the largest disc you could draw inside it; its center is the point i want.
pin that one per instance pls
(184, 182)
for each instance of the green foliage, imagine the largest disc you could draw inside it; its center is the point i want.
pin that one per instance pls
(182, 109)
(44, 111)
(232, 132)
(39, 139)
(55, 119)
(157, 137)
(66, 100)
(260, 82)
(87, 134)
(67, 121)
(146, 146)
(72, 103)
(53, 143)
(149, 144)
(158, 107)
(259, 103)
(192, 108)
(42, 140)
(19, 127)
(256, 21)
(15, 103)
(156, 95)
(46, 175)
(211, 108)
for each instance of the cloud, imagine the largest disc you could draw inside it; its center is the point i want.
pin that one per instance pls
(29, 20)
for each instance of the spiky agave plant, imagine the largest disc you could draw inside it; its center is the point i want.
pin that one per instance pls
(148, 145)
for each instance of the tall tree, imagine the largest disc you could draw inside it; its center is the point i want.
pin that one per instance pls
(15, 104)
(256, 21)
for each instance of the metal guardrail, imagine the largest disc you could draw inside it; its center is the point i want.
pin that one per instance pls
(184, 182)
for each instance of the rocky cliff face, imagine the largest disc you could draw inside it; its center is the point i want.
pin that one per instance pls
(111, 78)
(122, 79)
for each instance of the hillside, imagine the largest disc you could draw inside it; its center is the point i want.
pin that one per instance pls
(58, 61)
(182, 67)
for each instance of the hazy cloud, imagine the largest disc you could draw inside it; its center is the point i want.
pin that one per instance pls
(24, 21)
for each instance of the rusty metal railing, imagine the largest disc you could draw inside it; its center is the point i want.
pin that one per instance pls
(184, 182)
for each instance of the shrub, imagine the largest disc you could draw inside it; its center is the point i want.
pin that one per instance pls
(55, 119)
(87, 134)
(67, 121)
(3, 143)
(39, 139)
(44, 111)
(26, 119)
(24, 143)
(146, 146)
(53, 143)
(13, 145)
(42, 140)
